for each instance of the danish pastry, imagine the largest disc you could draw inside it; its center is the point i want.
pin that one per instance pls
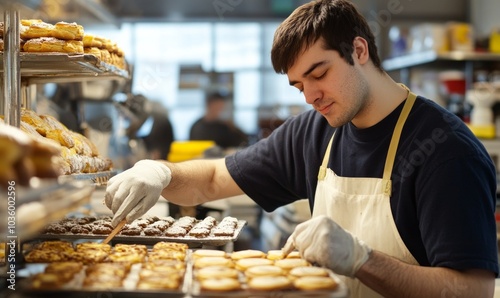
(51, 44)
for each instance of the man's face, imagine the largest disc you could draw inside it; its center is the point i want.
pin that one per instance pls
(335, 89)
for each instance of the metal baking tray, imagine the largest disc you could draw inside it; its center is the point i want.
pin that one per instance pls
(98, 179)
(191, 241)
(188, 289)
(56, 67)
(74, 287)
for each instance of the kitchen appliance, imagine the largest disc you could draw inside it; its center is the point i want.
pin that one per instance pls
(483, 96)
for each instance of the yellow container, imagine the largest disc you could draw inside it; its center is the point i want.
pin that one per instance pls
(186, 150)
(495, 41)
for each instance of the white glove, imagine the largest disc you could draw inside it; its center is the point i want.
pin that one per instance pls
(322, 241)
(133, 192)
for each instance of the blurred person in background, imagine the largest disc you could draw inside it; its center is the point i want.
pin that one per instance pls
(212, 126)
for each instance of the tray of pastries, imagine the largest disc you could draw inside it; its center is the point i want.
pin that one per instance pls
(149, 230)
(171, 269)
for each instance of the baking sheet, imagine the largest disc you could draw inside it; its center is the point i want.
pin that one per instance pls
(189, 288)
(191, 241)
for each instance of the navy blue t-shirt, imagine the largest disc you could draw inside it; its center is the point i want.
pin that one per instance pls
(443, 181)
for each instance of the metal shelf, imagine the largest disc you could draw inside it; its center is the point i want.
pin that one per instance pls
(61, 67)
(42, 202)
(417, 59)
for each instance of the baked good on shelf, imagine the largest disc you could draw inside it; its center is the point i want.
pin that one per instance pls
(36, 29)
(24, 156)
(93, 51)
(29, 22)
(90, 41)
(68, 31)
(47, 281)
(52, 44)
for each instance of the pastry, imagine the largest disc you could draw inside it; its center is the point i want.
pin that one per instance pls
(158, 283)
(90, 41)
(269, 283)
(289, 264)
(263, 270)
(47, 281)
(313, 283)
(36, 29)
(67, 31)
(212, 261)
(51, 44)
(216, 271)
(199, 253)
(308, 271)
(244, 264)
(163, 245)
(247, 253)
(220, 284)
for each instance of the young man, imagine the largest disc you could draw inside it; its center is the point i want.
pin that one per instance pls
(403, 195)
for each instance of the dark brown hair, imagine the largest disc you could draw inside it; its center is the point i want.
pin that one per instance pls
(336, 21)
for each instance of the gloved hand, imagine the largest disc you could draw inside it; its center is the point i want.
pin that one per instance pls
(133, 192)
(322, 241)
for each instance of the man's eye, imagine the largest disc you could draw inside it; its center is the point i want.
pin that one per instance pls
(321, 76)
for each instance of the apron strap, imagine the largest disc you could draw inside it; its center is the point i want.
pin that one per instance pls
(396, 135)
(393, 146)
(326, 157)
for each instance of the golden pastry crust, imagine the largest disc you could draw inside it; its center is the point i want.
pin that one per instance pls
(216, 271)
(199, 253)
(213, 261)
(308, 271)
(314, 283)
(158, 283)
(244, 264)
(1, 44)
(247, 253)
(269, 283)
(28, 22)
(51, 44)
(263, 270)
(67, 31)
(36, 30)
(47, 281)
(289, 264)
(90, 40)
(163, 245)
(93, 51)
(220, 284)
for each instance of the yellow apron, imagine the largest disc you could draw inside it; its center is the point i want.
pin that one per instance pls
(362, 205)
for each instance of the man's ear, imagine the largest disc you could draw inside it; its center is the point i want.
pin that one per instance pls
(360, 52)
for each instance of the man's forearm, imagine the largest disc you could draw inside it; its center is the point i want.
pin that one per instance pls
(199, 181)
(393, 278)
